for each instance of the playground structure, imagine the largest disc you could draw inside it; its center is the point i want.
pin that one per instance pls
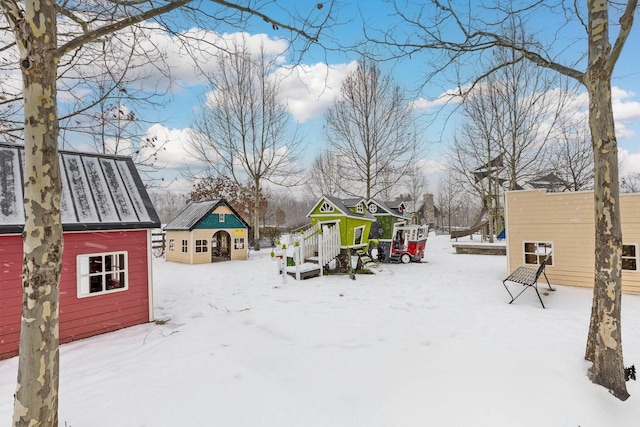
(339, 237)
(408, 244)
(481, 222)
(393, 238)
(309, 252)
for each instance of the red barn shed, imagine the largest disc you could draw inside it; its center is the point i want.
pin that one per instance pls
(107, 216)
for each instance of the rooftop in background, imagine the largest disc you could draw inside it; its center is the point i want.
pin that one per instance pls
(99, 192)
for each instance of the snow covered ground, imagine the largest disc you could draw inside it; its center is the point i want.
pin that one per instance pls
(428, 344)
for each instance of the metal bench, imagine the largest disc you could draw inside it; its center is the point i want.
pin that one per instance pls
(528, 277)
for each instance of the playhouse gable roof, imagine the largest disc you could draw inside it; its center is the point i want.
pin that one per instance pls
(395, 208)
(342, 206)
(196, 212)
(99, 192)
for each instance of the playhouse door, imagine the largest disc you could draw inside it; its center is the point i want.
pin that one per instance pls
(220, 246)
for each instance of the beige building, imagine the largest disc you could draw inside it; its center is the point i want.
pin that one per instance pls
(206, 232)
(538, 222)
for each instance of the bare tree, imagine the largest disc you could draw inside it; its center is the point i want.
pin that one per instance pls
(572, 156)
(244, 131)
(448, 198)
(631, 183)
(325, 175)
(415, 185)
(33, 26)
(372, 129)
(477, 154)
(457, 35)
(527, 102)
(167, 204)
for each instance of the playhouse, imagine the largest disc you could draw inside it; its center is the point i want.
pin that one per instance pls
(562, 224)
(349, 215)
(206, 232)
(107, 216)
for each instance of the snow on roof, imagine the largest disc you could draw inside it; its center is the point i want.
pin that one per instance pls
(196, 211)
(189, 217)
(343, 206)
(99, 192)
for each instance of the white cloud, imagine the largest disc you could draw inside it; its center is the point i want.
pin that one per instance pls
(449, 97)
(629, 162)
(626, 112)
(174, 153)
(165, 62)
(308, 90)
(179, 185)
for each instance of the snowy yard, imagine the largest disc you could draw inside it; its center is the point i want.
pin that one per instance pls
(428, 344)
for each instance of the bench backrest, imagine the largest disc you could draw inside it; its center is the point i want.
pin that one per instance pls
(542, 265)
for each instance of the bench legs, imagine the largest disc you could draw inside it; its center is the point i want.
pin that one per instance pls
(526, 285)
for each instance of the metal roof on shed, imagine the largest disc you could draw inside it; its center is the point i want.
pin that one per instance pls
(99, 192)
(195, 212)
(189, 217)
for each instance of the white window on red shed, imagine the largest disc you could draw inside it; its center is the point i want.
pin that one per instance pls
(102, 273)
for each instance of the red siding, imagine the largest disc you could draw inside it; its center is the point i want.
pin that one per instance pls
(79, 317)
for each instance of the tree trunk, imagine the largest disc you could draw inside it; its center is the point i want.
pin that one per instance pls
(256, 216)
(36, 397)
(604, 342)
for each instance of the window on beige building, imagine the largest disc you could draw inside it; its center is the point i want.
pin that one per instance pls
(535, 252)
(185, 246)
(630, 257)
(238, 243)
(202, 245)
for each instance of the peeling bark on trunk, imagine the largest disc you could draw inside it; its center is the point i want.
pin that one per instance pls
(256, 215)
(36, 397)
(604, 342)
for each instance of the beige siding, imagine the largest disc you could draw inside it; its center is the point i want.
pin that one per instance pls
(567, 221)
(177, 255)
(193, 257)
(223, 209)
(239, 254)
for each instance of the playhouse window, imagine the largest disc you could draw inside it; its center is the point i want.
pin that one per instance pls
(102, 273)
(202, 245)
(357, 235)
(238, 243)
(221, 217)
(185, 246)
(535, 252)
(360, 208)
(630, 257)
(326, 207)
(171, 245)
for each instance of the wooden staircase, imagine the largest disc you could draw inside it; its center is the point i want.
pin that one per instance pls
(318, 244)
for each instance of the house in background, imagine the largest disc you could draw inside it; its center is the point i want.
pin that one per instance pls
(538, 222)
(107, 216)
(206, 232)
